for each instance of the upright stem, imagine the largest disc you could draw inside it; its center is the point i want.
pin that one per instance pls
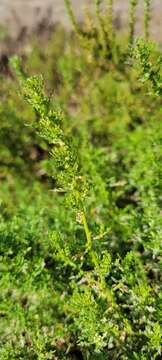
(87, 232)
(147, 17)
(132, 21)
(103, 35)
(110, 18)
(83, 34)
(89, 248)
(72, 17)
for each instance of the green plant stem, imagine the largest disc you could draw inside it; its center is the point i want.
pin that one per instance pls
(132, 21)
(89, 240)
(147, 17)
(87, 232)
(77, 28)
(100, 17)
(72, 17)
(110, 19)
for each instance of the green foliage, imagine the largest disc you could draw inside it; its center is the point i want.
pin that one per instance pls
(81, 204)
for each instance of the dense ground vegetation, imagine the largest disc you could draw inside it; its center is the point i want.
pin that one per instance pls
(81, 195)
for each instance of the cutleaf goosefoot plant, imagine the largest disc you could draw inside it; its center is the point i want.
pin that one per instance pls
(62, 301)
(49, 126)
